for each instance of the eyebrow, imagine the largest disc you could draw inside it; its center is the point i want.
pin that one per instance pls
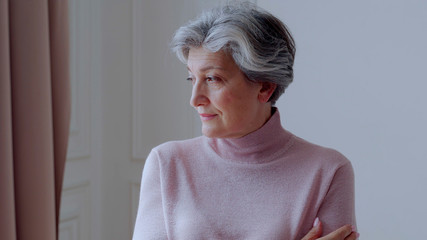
(208, 68)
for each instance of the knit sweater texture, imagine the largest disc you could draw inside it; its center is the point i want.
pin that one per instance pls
(268, 184)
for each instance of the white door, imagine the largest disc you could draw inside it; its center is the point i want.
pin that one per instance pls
(129, 94)
(80, 208)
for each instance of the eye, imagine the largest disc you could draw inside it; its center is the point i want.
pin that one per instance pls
(213, 79)
(190, 79)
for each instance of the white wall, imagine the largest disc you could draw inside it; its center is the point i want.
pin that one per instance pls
(360, 87)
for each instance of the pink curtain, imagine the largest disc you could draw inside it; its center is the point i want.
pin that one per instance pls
(34, 116)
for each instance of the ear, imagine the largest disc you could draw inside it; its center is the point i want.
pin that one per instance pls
(267, 89)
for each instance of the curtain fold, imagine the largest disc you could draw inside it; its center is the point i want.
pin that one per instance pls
(7, 205)
(61, 95)
(34, 115)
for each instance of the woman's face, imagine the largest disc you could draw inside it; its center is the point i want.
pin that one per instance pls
(229, 105)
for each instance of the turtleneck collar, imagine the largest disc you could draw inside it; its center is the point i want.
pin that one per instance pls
(260, 146)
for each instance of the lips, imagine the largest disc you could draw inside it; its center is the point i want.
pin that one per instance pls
(207, 116)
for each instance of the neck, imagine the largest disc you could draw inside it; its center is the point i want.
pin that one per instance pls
(267, 112)
(256, 147)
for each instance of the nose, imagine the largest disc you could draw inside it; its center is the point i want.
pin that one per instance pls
(198, 94)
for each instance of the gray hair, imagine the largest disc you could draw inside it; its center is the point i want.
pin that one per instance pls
(259, 43)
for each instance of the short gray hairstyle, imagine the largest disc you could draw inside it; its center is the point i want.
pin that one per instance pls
(259, 43)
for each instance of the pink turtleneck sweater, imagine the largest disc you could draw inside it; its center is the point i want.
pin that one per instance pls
(269, 184)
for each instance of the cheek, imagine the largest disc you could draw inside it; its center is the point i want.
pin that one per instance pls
(223, 99)
(229, 99)
(241, 99)
(234, 105)
(233, 101)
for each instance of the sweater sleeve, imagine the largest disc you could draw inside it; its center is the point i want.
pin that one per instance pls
(338, 206)
(150, 223)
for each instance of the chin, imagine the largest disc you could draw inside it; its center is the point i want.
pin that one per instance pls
(211, 133)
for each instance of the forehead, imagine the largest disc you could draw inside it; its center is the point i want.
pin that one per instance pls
(201, 59)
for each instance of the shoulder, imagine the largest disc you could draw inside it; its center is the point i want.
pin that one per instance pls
(327, 167)
(178, 148)
(320, 156)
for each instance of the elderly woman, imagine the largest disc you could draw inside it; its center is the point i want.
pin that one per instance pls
(246, 177)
